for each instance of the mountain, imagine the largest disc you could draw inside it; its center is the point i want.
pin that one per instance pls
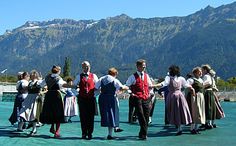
(214, 44)
(207, 36)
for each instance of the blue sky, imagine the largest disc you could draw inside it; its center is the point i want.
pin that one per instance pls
(15, 13)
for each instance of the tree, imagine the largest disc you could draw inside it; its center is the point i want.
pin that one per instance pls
(66, 68)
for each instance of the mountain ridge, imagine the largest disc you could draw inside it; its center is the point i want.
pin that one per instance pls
(119, 41)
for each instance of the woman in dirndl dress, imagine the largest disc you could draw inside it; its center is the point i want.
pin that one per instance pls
(177, 107)
(197, 102)
(108, 102)
(13, 117)
(53, 108)
(210, 106)
(219, 110)
(29, 106)
(70, 103)
(22, 88)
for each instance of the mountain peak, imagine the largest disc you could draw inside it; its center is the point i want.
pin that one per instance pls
(209, 8)
(124, 16)
(120, 17)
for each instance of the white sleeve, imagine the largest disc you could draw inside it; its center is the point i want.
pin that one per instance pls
(207, 80)
(130, 81)
(117, 84)
(184, 82)
(25, 83)
(149, 81)
(98, 83)
(42, 83)
(39, 82)
(95, 78)
(166, 82)
(61, 82)
(190, 81)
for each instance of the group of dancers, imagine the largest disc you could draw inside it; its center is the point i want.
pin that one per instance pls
(198, 106)
(51, 100)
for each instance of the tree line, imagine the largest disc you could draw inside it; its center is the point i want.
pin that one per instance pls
(229, 84)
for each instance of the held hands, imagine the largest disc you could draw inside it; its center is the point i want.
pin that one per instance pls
(123, 89)
(192, 91)
(156, 85)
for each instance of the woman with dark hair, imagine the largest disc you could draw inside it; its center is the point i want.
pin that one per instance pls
(53, 110)
(177, 108)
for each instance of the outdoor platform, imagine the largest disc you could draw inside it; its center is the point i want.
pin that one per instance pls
(224, 135)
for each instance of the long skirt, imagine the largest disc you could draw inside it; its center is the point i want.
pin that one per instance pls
(210, 106)
(219, 110)
(177, 109)
(109, 110)
(53, 109)
(29, 108)
(16, 108)
(198, 108)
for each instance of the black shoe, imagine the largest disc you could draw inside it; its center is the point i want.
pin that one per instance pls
(83, 137)
(52, 130)
(90, 137)
(193, 131)
(142, 137)
(29, 126)
(134, 119)
(118, 130)
(32, 133)
(207, 126)
(198, 132)
(179, 133)
(24, 126)
(19, 130)
(202, 126)
(214, 126)
(109, 137)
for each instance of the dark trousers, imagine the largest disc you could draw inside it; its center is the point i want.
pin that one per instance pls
(132, 110)
(87, 112)
(143, 111)
(153, 103)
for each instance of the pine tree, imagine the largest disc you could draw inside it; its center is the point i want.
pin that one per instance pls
(66, 68)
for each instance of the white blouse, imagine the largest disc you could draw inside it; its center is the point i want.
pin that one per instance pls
(207, 80)
(191, 81)
(109, 79)
(179, 79)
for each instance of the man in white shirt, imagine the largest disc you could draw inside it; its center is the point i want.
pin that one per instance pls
(86, 82)
(139, 83)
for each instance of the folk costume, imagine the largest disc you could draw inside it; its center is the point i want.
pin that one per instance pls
(87, 102)
(139, 84)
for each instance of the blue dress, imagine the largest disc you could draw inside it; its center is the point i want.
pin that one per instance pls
(108, 105)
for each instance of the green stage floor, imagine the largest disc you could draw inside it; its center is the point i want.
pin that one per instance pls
(224, 135)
